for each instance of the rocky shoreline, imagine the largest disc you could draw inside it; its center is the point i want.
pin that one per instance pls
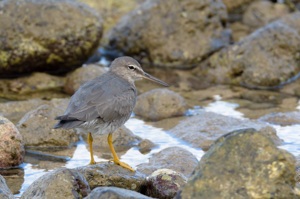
(243, 52)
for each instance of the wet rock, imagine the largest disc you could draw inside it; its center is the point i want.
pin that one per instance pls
(114, 193)
(258, 60)
(203, 129)
(283, 119)
(158, 104)
(5, 193)
(123, 139)
(172, 34)
(260, 13)
(112, 12)
(37, 130)
(82, 75)
(145, 146)
(174, 158)
(243, 164)
(15, 110)
(110, 174)
(28, 45)
(35, 85)
(11, 145)
(164, 183)
(61, 183)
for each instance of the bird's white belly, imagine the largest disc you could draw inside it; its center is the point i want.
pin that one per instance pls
(99, 127)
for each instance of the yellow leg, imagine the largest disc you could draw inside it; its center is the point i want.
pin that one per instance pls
(90, 141)
(115, 156)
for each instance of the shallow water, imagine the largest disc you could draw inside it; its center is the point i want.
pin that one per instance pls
(80, 157)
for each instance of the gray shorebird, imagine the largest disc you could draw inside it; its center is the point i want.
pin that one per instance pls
(102, 105)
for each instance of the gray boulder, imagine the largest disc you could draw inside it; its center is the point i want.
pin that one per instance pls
(110, 174)
(176, 34)
(37, 130)
(203, 129)
(267, 58)
(159, 103)
(174, 158)
(61, 183)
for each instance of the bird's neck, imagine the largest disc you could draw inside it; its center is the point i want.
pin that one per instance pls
(126, 78)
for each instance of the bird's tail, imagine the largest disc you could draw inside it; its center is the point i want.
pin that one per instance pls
(67, 123)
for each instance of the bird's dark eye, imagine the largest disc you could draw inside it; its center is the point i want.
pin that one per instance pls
(131, 67)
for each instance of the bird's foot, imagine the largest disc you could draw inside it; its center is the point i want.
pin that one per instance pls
(92, 162)
(124, 165)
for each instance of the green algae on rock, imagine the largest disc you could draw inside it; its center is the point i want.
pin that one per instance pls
(243, 164)
(33, 41)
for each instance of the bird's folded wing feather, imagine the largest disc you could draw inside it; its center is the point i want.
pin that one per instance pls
(108, 100)
(108, 110)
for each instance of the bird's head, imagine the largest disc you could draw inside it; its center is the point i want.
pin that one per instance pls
(130, 69)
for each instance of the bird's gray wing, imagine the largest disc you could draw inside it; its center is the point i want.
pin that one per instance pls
(108, 100)
(108, 109)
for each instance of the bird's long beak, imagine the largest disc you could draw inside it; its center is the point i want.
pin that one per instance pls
(154, 79)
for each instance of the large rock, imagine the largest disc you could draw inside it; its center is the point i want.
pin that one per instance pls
(172, 33)
(11, 145)
(114, 193)
(174, 158)
(266, 58)
(243, 164)
(33, 41)
(203, 129)
(260, 13)
(61, 183)
(81, 75)
(37, 130)
(159, 104)
(110, 174)
(5, 193)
